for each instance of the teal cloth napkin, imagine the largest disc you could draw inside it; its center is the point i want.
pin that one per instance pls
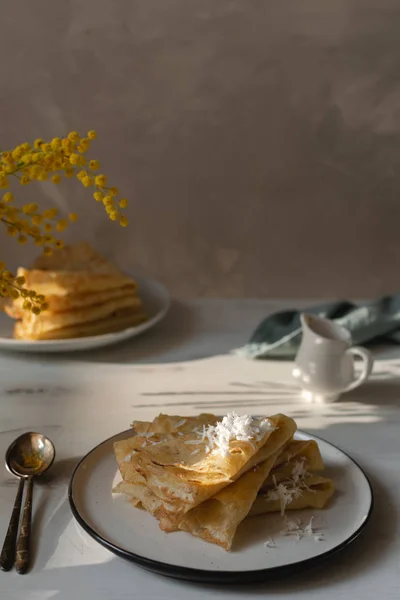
(278, 336)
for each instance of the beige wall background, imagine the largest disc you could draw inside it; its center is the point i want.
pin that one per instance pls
(259, 141)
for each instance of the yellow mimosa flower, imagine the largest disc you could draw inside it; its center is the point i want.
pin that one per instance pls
(100, 180)
(87, 181)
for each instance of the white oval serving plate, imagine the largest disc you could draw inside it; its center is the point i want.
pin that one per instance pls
(156, 302)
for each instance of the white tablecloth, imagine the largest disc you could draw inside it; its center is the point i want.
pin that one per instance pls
(184, 367)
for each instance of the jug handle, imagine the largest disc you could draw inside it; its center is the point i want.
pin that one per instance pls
(368, 363)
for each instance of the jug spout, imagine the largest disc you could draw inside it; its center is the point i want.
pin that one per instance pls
(305, 318)
(322, 329)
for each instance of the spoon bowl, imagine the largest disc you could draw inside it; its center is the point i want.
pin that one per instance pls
(30, 455)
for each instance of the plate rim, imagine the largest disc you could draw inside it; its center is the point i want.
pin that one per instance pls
(105, 338)
(208, 576)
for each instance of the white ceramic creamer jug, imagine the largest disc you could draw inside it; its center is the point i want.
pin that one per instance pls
(324, 365)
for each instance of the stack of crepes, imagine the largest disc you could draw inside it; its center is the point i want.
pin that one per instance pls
(205, 475)
(86, 296)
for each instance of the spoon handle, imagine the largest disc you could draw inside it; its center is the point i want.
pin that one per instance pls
(22, 557)
(7, 556)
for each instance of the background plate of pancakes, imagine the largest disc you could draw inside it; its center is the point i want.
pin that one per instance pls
(91, 304)
(134, 534)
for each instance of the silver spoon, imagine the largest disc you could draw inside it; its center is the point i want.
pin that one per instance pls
(28, 456)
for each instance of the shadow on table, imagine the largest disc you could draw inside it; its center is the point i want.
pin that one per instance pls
(189, 331)
(168, 338)
(57, 478)
(376, 391)
(261, 396)
(195, 331)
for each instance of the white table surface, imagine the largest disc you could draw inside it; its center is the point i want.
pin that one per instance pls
(184, 367)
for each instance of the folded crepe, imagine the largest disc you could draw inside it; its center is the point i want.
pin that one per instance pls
(142, 497)
(190, 451)
(76, 269)
(298, 456)
(36, 325)
(72, 302)
(294, 485)
(217, 519)
(174, 423)
(86, 295)
(138, 492)
(183, 471)
(315, 493)
(301, 450)
(117, 321)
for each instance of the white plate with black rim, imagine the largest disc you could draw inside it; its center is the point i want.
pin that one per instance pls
(134, 534)
(156, 302)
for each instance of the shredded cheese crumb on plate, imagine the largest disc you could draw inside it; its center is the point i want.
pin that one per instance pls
(297, 528)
